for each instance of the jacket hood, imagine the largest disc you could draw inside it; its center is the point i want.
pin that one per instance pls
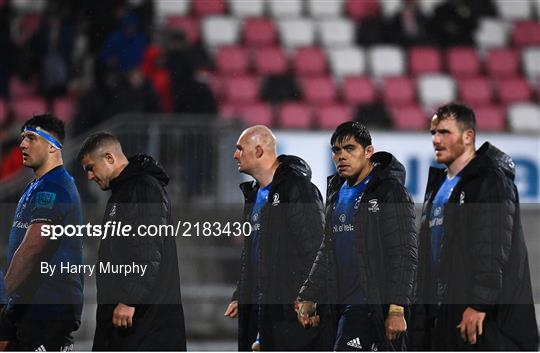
(388, 167)
(293, 164)
(489, 156)
(142, 164)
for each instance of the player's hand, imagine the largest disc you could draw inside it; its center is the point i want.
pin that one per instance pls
(395, 325)
(471, 325)
(306, 313)
(3, 345)
(232, 310)
(123, 316)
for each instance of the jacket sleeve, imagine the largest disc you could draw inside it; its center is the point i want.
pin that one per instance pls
(492, 223)
(400, 244)
(314, 288)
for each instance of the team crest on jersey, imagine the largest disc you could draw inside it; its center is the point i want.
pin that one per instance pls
(357, 202)
(373, 205)
(45, 199)
(462, 198)
(113, 210)
(275, 199)
(342, 218)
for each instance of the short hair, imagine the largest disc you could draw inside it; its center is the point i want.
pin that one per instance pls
(49, 123)
(351, 129)
(96, 141)
(462, 113)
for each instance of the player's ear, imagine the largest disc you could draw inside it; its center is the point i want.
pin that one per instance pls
(258, 151)
(369, 151)
(109, 158)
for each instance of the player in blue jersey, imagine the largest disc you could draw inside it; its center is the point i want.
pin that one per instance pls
(368, 257)
(43, 309)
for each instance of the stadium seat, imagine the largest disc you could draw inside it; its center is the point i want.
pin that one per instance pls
(257, 113)
(220, 30)
(227, 111)
(347, 61)
(390, 7)
(27, 25)
(294, 116)
(424, 60)
(3, 111)
(309, 61)
(428, 6)
(526, 33)
(64, 109)
(325, 8)
(336, 32)
(386, 60)
(502, 62)
(232, 60)
(203, 8)
(435, 90)
(409, 117)
(189, 25)
(537, 8)
(330, 116)
(490, 118)
(23, 6)
(512, 90)
(241, 89)
(491, 33)
(398, 91)
(524, 117)
(259, 31)
(318, 90)
(298, 32)
(270, 60)
(358, 90)
(514, 10)
(26, 107)
(19, 88)
(531, 62)
(359, 10)
(463, 62)
(475, 90)
(243, 8)
(167, 8)
(288, 8)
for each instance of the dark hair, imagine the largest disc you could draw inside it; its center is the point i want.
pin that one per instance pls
(351, 129)
(462, 113)
(95, 141)
(49, 123)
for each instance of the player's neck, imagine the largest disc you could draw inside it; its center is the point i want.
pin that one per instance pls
(47, 167)
(363, 174)
(266, 175)
(459, 163)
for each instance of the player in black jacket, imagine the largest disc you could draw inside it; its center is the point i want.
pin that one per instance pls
(135, 312)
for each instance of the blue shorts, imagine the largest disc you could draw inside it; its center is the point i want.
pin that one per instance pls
(356, 331)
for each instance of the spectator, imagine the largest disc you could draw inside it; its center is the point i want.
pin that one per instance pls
(409, 26)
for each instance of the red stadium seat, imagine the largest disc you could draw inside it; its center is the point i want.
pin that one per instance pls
(502, 62)
(410, 117)
(64, 109)
(241, 89)
(294, 116)
(318, 90)
(398, 91)
(526, 33)
(227, 111)
(20, 89)
(362, 9)
(3, 111)
(202, 8)
(330, 116)
(358, 90)
(190, 26)
(260, 32)
(270, 61)
(232, 60)
(257, 113)
(309, 61)
(463, 61)
(424, 60)
(490, 117)
(513, 90)
(475, 90)
(25, 108)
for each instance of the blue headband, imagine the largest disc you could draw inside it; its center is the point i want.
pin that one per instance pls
(39, 131)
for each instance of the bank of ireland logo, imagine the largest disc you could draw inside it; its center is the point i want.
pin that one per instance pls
(373, 205)
(437, 212)
(342, 218)
(275, 199)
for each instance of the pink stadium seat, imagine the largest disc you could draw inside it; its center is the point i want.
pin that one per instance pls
(227, 111)
(398, 91)
(318, 90)
(64, 109)
(21, 89)
(232, 60)
(513, 90)
(270, 60)
(189, 25)
(502, 62)
(526, 33)
(294, 116)
(361, 9)
(490, 117)
(309, 61)
(463, 61)
(259, 31)
(216, 84)
(3, 111)
(358, 90)
(475, 90)
(25, 108)
(424, 60)
(203, 8)
(410, 117)
(241, 89)
(257, 113)
(330, 116)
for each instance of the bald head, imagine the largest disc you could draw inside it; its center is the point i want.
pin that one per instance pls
(260, 135)
(256, 153)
